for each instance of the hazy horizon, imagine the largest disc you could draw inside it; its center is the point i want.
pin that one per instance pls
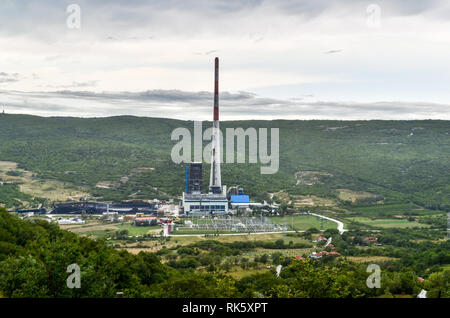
(235, 120)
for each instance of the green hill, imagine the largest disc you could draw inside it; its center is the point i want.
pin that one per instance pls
(392, 161)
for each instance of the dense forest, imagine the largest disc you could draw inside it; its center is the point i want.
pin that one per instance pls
(34, 256)
(399, 161)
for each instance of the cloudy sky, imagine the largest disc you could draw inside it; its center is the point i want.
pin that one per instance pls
(304, 59)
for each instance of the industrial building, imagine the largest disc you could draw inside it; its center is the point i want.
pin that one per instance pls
(194, 173)
(73, 221)
(169, 210)
(142, 220)
(205, 203)
(240, 200)
(100, 208)
(215, 201)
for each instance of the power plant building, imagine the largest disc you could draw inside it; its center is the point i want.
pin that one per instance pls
(210, 203)
(195, 178)
(215, 201)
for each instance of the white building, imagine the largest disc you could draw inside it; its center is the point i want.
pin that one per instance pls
(205, 204)
(169, 209)
(71, 221)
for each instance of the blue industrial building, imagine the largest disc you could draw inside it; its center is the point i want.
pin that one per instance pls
(240, 198)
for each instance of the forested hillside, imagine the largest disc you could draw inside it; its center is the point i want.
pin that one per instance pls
(396, 161)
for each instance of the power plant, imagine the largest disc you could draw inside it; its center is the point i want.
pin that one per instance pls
(215, 201)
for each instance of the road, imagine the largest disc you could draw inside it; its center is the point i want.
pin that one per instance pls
(339, 223)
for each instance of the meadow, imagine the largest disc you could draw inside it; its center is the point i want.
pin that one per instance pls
(388, 223)
(303, 222)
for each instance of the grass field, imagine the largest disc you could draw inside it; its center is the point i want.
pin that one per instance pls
(303, 222)
(381, 210)
(354, 196)
(237, 272)
(388, 223)
(51, 189)
(291, 252)
(139, 230)
(370, 259)
(99, 229)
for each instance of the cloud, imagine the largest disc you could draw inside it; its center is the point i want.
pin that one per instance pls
(155, 58)
(198, 106)
(8, 77)
(332, 51)
(75, 85)
(124, 18)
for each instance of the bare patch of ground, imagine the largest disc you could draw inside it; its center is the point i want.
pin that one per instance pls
(99, 227)
(354, 196)
(50, 189)
(302, 200)
(310, 177)
(311, 200)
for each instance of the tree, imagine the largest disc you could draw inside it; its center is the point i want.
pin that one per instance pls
(276, 258)
(23, 277)
(438, 285)
(264, 258)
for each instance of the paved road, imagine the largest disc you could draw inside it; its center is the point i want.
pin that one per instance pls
(339, 223)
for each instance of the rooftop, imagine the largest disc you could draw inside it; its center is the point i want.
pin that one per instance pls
(241, 198)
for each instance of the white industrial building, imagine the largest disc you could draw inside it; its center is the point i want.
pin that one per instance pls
(169, 209)
(205, 203)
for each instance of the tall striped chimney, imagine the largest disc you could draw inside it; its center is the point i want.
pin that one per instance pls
(215, 183)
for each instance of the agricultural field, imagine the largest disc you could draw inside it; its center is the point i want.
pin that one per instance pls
(100, 229)
(371, 259)
(90, 225)
(290, 252)
(237, 272)
(6, 166)
(388, 223)
(303, 222)
(388, 210)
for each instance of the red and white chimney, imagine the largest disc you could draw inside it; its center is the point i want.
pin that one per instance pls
(215, 183)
